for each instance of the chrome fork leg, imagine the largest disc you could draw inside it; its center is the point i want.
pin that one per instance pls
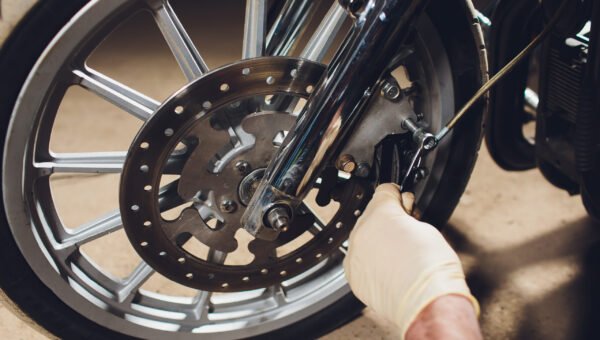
(380, 28)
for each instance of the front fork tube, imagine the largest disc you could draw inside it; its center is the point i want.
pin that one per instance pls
(380, 28)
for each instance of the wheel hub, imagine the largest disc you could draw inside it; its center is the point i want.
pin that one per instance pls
(218, 135)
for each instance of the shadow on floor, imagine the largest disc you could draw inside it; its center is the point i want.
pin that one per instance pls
(566, 311)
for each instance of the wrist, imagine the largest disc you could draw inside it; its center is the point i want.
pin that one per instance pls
(432, 284)
(447, 317)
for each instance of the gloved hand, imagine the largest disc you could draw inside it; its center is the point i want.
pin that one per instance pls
(398, 265)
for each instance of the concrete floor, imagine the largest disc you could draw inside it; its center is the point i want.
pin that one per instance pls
(529, 249)
(11, 11)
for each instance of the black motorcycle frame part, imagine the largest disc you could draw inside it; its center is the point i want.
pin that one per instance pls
(555, 124)
(566, 147)
(566, 128)
(27, 295)
(511, 32)
(572, 18)
(333, 109)
(587, 141)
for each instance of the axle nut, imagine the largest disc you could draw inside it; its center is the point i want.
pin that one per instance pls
(279, 219)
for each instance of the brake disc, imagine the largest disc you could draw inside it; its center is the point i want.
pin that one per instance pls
(219, 134)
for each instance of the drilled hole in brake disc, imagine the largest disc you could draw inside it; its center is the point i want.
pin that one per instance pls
(203, 169)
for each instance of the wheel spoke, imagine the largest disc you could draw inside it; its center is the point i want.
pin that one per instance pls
(315, 229)
(93, 230)
(254, 28)
(324, 36)
(195, 311)
(278, 293)
(90, 162)
(98, 162)
(318, 224)
(116, 93)
(201, 303)
(189, 59)
(111, 222)
(126, 293)
(168, 198)
(217, 257)
(288, 26)
(90, 276)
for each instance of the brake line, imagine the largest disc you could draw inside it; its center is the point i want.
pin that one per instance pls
(502, 73)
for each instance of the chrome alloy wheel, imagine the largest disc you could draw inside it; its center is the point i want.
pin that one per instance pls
(54, 251)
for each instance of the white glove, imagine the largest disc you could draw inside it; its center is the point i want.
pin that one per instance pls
(397, 265)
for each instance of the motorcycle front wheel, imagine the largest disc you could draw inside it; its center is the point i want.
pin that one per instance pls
(55, 230)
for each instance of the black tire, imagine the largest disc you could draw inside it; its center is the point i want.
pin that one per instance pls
(469, 66)
(591, 206)
(43, 307)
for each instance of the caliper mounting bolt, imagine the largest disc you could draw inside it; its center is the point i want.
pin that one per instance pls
(391, 90)
(421, 137)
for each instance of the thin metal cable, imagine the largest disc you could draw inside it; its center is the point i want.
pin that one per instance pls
(502, 73)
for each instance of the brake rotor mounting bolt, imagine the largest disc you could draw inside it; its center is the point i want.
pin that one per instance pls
(346, 163)
(227, 206)
(243, 167)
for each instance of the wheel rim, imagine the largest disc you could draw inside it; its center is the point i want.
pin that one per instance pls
(81, 284)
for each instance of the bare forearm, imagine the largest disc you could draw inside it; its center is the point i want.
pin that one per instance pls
(449, 317)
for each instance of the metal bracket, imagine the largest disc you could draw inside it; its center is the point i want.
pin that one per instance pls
(384, 118)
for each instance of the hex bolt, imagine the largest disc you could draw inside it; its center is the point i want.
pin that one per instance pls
(346, 163)
(227, 206)
(421, 173)
(391, 90)
(243, 167)
(352, 6)
(428, 140)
